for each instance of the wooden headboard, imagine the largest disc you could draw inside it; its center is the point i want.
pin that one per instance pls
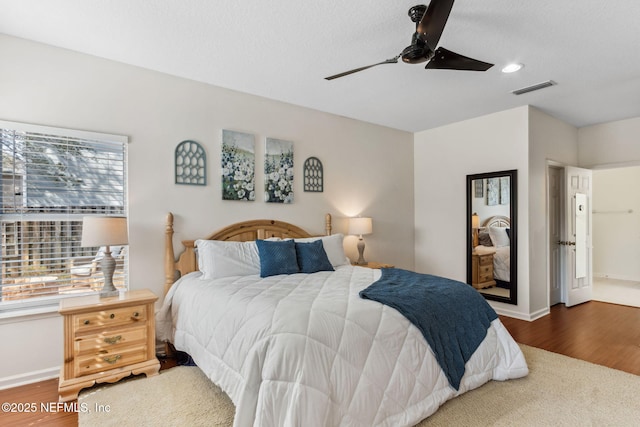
(497, 221)
(238, 232)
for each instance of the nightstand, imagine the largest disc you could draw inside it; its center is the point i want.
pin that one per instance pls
(374, 265)
(107, 339)
(482, 270)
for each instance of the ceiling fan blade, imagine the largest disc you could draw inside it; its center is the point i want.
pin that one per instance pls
(355, 70)
(433, 21)
(445, 59)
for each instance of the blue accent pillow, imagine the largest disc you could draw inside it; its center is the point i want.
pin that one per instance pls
(312, 257)
(277, 257)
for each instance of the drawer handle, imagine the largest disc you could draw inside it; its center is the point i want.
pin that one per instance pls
(111, 316)
(135, 316)
(112, 359)
(113, 340)
(86, 322)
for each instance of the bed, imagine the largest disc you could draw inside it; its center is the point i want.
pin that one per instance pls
(305, 348)
(494, 239)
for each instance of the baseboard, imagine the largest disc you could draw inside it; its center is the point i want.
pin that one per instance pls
(615, 277)
(538, 314)
(522, 316)
(510, 313)
(29, 378)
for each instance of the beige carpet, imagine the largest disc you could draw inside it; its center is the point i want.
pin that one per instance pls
(559, 391)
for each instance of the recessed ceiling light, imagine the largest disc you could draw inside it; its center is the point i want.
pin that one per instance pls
(512, 68)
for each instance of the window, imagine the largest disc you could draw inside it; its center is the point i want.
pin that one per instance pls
(51, 179)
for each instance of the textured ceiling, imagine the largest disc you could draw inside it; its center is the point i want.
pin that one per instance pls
(283, 49)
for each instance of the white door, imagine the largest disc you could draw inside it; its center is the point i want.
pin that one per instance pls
(576, 243)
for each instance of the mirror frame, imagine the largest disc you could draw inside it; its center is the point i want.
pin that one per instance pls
(513, 234)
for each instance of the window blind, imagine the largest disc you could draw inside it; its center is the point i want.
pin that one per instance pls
(51, 179)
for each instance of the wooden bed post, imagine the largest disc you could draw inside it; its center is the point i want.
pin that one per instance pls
(169, 257)
(327, 224)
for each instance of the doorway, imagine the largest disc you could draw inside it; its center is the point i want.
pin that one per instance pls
(556, 178)
(616, 235)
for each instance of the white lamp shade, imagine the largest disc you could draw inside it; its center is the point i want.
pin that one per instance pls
(104, 231)
(360, 226)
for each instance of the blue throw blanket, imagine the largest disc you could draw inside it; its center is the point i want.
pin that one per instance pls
(452, 316)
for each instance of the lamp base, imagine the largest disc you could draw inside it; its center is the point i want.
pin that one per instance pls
(108, 294)
(108, 265)
(361, 260)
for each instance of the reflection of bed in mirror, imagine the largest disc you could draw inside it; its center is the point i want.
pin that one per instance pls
(494, 238)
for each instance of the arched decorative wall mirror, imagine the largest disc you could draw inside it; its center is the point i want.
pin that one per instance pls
(492, 224)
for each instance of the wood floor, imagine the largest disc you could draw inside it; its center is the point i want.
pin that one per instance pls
(601, 333)
(598, 332)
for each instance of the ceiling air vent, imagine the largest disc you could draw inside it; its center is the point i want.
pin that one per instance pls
(533, 87)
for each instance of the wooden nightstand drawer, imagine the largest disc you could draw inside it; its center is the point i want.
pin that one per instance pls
(107, 339)
(109, 318)
(110, 360)
(110, 339)
(486, 260)
(485, 272)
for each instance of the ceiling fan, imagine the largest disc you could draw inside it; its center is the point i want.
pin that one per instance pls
(430, 23)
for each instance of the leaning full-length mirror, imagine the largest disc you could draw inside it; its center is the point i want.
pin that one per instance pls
(492, 254)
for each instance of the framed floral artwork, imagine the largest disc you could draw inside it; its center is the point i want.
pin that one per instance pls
(493, 191)
(238, 166)
(505, 189)
(278, 171)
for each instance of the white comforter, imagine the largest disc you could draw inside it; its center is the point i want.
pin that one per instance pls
(502, 264)
(306, 350)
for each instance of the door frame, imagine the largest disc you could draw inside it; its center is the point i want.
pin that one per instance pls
(549, 216)
(560, 165)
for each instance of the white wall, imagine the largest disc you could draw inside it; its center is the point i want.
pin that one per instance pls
(549, 140)
(611, 143)
(616, 232)
(443, 158)
(368, 168)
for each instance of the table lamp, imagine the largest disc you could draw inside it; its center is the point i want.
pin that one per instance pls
(475, 224)
(360, 226)
(105, 231)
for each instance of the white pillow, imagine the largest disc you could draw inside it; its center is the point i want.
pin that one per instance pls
(332, 246)
(218, 258)
(499, 236)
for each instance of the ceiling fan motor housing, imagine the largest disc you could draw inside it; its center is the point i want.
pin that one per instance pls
(417, 12)
(416, 53)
